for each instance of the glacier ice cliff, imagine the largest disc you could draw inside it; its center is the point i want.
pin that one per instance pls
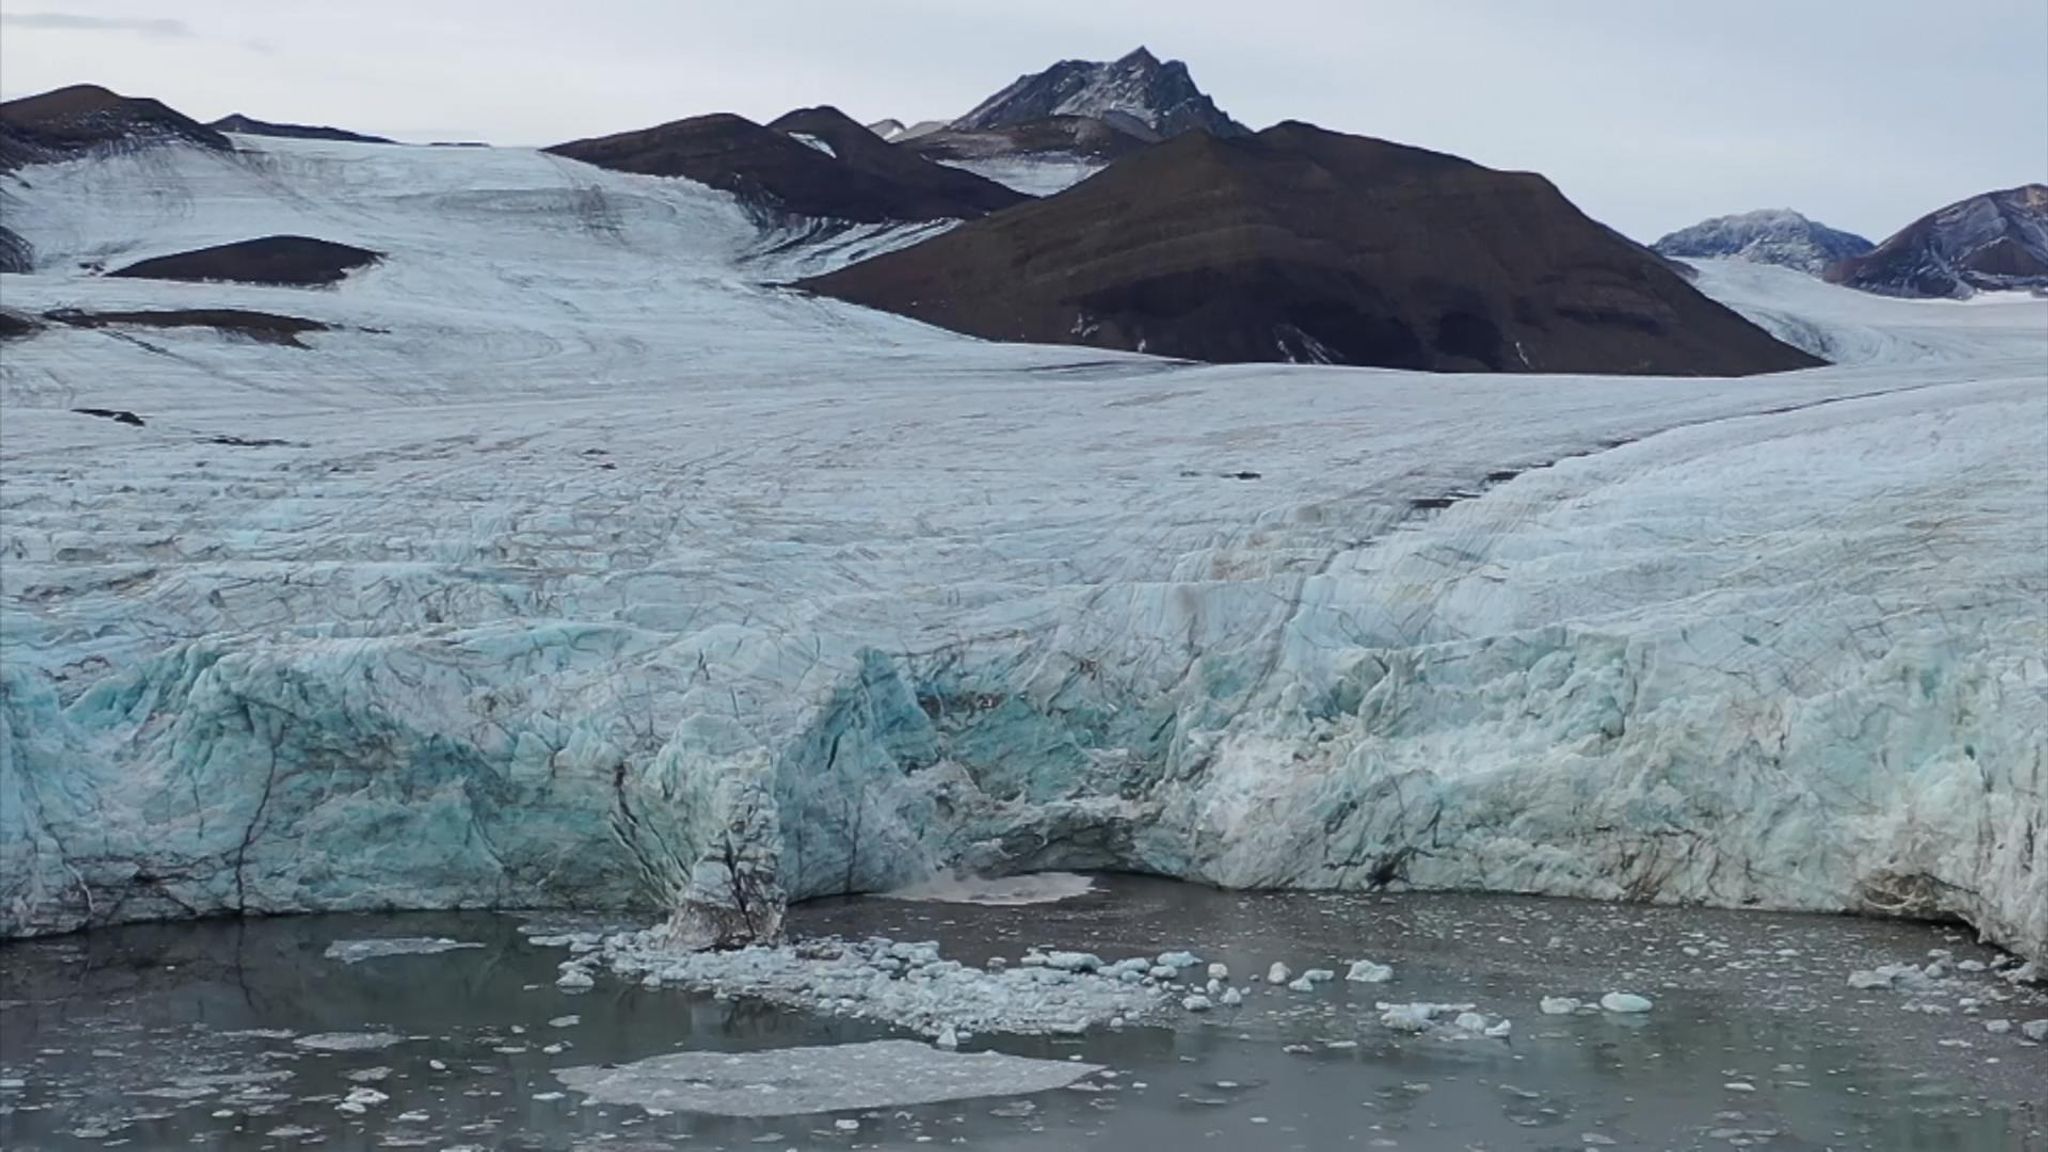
(583, 571)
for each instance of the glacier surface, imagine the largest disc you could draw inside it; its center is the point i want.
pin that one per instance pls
(577, 567)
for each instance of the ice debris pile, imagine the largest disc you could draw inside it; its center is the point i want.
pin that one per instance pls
(1945, 986)
(906, 984)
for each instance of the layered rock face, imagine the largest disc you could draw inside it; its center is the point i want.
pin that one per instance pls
(1997, 242)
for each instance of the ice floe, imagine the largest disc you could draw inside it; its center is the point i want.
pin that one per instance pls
(793, 1081)
(349, 1041)
(357, 951)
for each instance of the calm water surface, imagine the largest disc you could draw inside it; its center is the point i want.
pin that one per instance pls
(183, 1036)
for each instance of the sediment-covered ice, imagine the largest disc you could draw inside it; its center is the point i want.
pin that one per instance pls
(794, 1081)
(576, 568)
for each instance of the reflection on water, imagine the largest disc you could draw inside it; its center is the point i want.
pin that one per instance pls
(183, 1035)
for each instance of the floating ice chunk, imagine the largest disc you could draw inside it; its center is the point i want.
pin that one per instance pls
(1163, 972)
(1179, 959)
(1302, 984)
(357, 951)
(569, 1021)
(1866, 978)
(1367, 972)
(1319, 975)
(1219, 971)
(1406, 1017)
(1231, 998)
(176, 1091)
(574, 978)
(1500, 1029)
(361, 1099)
(348, 1041)
(1470, 1022)
(949, 1037)
(2036, 1030)
(1559, 1005)
(1998, 1027)
(795, 1081)
(1418, 1016)
(923, 953)
(1279, 973)
(1626, 1003)
(1066, 961)
(1197, 1003)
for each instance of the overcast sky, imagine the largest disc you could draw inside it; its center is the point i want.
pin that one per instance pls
(1651, 114)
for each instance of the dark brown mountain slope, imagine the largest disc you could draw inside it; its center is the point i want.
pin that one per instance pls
(72, 121)
(1306, 245)
(852, 144)
(1994, 242)
(1059, 135)
(776, 173)
(250, 126)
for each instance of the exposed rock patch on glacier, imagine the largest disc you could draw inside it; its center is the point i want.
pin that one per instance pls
(630, 583)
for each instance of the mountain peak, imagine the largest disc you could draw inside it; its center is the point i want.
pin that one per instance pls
(1138, 90)
(1997, 241)
(1768, 236)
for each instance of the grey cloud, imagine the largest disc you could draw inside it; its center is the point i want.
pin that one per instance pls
(144, 26)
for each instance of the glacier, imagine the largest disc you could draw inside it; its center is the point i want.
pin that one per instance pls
(579, 566)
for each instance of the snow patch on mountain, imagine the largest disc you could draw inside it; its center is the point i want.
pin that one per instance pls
(1772, 236)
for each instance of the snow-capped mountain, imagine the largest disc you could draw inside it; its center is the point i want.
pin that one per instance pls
(1772, 236)
(1994, 242)
(1139, 92)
